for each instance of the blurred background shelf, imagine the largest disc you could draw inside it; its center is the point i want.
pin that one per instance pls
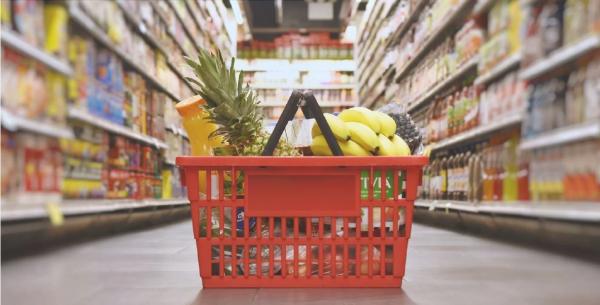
(83, 207)
(16, 123)
(565, 211)
(13, 40)
(562, 135)
(294, 65)
(82, 115)
(512, 62)
(561, 57)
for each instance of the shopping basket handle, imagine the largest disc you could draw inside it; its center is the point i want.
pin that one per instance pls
(310, 109)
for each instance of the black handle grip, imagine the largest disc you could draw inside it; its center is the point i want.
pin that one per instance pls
(310, 109)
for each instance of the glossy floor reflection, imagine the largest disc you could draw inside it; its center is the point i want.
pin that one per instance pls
(159, 266)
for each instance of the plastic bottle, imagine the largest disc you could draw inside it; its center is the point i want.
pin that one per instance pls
(510, 165)
(198, 129)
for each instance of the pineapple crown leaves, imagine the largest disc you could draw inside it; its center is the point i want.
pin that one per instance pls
(230, 105)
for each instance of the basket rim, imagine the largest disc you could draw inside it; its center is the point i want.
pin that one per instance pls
(302, 161)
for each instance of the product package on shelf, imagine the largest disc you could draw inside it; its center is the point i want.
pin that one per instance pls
(557, 23)
(564, 100)
(84, 167)
(294, 46)
(31, 169)
(505, 29)
(30, 90)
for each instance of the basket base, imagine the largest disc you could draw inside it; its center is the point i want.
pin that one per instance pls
(291, 282)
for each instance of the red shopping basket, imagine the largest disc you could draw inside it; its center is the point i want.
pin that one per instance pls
(302, 221)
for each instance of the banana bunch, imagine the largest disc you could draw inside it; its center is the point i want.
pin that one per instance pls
(360, 132)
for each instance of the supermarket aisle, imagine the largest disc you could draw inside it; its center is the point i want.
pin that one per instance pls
(158, 266)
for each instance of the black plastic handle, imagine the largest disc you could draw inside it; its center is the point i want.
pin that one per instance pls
(310, 108)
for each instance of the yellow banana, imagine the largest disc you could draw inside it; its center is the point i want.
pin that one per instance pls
(402, 148)
(364, 136)
(319, 147)
(361, 115)
(388, 125)
(386, 148)
(339, 128)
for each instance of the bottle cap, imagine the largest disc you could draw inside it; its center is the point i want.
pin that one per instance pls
(190, 106)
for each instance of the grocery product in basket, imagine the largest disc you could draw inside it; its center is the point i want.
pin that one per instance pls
(386, 147)
(361, 115)
(388, 125)
(320, 147)
(401, 146)
(364, 136)
(338, 127)
(233, 108)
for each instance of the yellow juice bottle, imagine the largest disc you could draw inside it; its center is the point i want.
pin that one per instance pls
(196, 124)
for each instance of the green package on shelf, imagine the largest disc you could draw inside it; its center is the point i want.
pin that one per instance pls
(389, 180)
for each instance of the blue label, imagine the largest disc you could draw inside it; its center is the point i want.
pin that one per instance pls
(240, 222)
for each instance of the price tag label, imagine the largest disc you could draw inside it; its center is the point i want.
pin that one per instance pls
(55, 214)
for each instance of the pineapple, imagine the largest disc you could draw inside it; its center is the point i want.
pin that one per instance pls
(405, 127)
(231, 106)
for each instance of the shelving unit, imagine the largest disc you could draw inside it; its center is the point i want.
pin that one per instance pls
(510, 63)
(561, 57)
(562, 136)
(83, 207)
(294, 65)
(455, 16)
(15, 123)
(479, 132)
(15, 42)
(88, 24)
(142, 30)
(564, 211)
(84, 116)
(456, 77)
(29, 207)
(494, 80)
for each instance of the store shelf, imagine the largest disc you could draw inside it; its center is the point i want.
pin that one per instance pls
(479, 132)
(510, 63)
(183, 25)
(562, 135)
(14, 123)
(408, 22)
(303, 86)
(149, 37)
(84, 116)
(483, 6)
(295, 65)
(12, 212)
(453, 79)
(14, 41)
(457, 14)
(565, 211)
(561, 57)
(88, 24)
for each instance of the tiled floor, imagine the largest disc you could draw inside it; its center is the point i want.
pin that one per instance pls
(159, 266)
